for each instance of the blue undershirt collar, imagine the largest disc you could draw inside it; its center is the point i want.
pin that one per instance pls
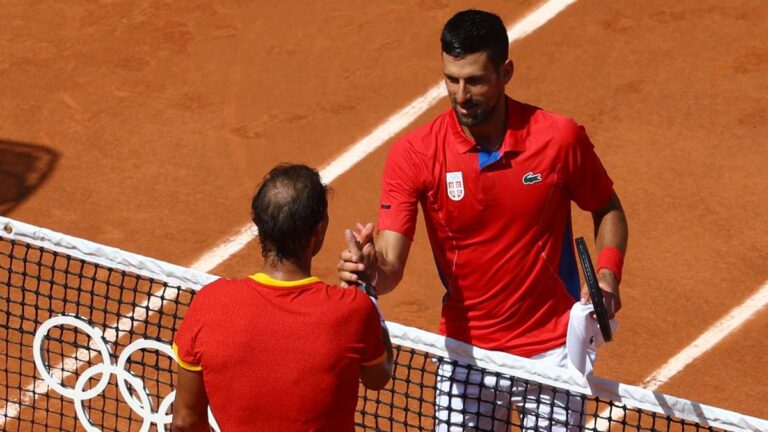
(486, 158)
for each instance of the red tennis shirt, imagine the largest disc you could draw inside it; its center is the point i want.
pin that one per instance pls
(280, 356)
(499, 223)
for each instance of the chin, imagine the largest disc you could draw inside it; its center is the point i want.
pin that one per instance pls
(471, 121)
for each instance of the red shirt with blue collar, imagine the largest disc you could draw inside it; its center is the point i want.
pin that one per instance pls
(499, 223)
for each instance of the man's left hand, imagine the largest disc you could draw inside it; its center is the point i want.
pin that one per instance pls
(610, 288)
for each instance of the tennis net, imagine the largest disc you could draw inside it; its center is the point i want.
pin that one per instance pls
(86, 332)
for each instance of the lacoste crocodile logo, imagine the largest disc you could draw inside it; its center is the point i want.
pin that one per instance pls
(530, 178)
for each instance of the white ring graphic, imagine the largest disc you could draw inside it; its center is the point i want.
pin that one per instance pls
(37, 345)
(144, 410)
(142, 406)
(106, 371)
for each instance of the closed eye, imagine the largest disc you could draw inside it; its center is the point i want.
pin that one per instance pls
(473, 81)
(469, 81)
(452, 79)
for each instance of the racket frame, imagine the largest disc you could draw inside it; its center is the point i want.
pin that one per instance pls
(595, 293)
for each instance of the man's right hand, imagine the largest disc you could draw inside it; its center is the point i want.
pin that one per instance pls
(359, 258)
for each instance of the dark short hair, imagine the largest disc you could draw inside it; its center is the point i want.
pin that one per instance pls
(473, 31)
(290, 203)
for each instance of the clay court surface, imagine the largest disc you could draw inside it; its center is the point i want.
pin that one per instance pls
(146, 126)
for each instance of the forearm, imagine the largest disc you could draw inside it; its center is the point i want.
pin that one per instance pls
(611, 235)
(611, 229)
(190, 425)
(190, 409)
(376, 377)
(392, 251)
(390, 362)
(386, 276)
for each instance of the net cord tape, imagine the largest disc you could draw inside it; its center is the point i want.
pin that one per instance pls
(104, 255)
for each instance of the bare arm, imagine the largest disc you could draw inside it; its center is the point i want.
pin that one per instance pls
(190, 408)
(392, 249)
(376, 376)
(610, 231)
(382, 262)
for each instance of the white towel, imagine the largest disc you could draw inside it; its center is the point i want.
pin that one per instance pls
(583, 338)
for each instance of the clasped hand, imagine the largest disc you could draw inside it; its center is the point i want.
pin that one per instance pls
(358, 260)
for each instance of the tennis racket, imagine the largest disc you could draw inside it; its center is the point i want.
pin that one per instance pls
(595, 293)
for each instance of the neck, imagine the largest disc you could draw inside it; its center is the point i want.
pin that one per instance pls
(287, 270)
(490, 134)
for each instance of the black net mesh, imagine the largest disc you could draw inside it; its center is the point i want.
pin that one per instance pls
(434, 393)
(90, 301)
(37, 285)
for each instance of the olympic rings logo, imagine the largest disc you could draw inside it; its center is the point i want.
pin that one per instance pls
(142, 406)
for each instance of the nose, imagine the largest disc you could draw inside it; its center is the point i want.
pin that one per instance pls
(461, 95)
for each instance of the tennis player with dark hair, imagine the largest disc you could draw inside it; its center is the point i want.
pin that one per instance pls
(280, 350)
(495, 179)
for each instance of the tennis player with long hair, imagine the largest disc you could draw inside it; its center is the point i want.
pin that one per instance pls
(280, 350)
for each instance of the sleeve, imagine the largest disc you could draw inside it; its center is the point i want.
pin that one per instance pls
(400, 189)
(587, 180)
(185, 340)
(374, 352)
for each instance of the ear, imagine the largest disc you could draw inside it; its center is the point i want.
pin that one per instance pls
(318, 235)
(507, 70)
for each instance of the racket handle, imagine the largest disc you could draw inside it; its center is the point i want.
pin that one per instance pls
(595, 293)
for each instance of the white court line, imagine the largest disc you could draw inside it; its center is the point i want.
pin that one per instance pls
(394, 125)
(353, 155)
(719, 331)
